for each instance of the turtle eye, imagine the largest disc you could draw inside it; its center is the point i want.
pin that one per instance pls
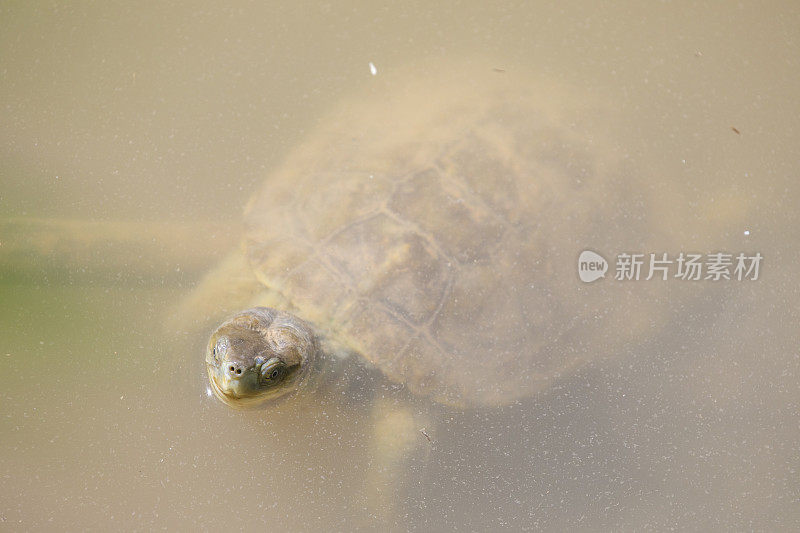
(273, 370)
(220, 347)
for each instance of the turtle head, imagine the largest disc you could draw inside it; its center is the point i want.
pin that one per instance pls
(259, 355)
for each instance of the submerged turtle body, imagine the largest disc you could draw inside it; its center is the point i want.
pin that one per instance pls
(433, 228)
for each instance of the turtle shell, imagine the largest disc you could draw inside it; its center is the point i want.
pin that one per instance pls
(433, 224)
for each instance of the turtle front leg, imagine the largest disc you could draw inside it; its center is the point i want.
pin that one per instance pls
(229, 287)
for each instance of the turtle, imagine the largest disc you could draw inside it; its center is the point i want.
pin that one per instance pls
(430, 227)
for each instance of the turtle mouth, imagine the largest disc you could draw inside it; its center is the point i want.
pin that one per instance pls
(236, 393)
(231, 392)
(224, 390)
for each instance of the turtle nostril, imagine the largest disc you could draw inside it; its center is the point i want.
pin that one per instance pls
(238, 370)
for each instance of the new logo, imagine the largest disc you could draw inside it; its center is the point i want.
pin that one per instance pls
(591, 266)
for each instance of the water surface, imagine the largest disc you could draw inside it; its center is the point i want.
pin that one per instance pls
(148, 120)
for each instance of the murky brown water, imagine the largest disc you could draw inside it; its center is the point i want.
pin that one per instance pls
(123, 126)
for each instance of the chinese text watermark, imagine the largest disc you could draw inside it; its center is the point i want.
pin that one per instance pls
(685, 266)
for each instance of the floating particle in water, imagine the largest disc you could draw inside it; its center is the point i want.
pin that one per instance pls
(372, 69)
(426, 435)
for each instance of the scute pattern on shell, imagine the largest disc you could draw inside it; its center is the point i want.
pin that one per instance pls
(433, 225)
